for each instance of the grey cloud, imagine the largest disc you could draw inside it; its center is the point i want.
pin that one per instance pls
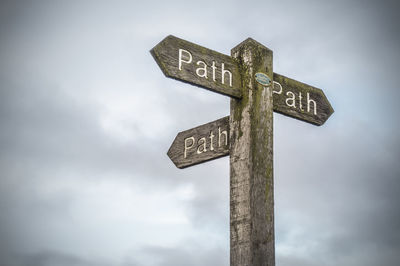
(188, 254)
(348, 204)
(50, 258)
(210, 205)
(290, 260)
(337, 187)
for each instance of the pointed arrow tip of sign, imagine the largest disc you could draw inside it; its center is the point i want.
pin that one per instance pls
(172, 153)
(158, 60)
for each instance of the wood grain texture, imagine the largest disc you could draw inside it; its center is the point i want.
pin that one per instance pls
(251, 162)
(166, 54)
(303, 95)
(210, 141)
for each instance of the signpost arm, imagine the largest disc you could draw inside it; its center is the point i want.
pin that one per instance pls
(251, 165)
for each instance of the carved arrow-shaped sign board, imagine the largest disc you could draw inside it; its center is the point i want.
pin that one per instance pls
(299, 100)
(201, 144)
(194, 64)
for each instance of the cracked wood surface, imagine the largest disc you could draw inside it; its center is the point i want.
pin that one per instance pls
(251, 162)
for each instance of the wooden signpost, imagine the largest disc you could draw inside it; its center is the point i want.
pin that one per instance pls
(246, 135)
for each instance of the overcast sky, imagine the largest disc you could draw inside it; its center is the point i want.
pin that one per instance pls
(87, 118)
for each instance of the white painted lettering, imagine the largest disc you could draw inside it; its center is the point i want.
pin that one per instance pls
(213, 70)
(181, 60)
(223, 75)
(309, 102)
(220, 134)
(187, 146)
(291, 99)
(201, 69)
(277, 86)
(211, 140)
(185, 57)
(203, 144)
(300, 103)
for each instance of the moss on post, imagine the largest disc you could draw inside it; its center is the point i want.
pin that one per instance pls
(251, 172)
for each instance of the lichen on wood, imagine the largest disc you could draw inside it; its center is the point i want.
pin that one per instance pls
(251, 173)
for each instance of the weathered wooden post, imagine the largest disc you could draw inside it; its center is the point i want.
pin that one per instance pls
(251, 163)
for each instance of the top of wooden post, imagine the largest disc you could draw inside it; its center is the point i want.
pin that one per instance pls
(248, 42)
